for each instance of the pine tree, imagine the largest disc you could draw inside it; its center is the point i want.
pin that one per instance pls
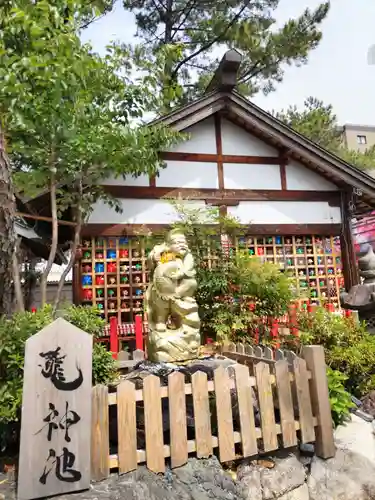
(201, 27)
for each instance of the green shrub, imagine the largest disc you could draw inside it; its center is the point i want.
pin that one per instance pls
(233, 280)
(349, 348)
(248, 281)
(339, 398)
(103, 365)
(13, 334)
(86, 318)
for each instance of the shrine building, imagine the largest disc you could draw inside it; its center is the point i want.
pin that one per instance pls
(295, 200)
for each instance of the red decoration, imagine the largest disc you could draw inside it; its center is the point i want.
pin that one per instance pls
(87, 268)
(87, 294)
(260, 251)
(99, 280)
(99, 255)
(111, 267)
(124, 254)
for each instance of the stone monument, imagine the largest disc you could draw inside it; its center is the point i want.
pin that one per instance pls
(361, 297)
(173, 319)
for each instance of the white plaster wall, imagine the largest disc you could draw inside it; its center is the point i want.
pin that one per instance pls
(240, 176)
(138, 212)
(202, 138)
(286, 212)
(142, 180)
(188, 174)
(236, 141)
(299, 177)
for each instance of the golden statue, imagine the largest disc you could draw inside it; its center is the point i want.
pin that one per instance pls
(172, 310)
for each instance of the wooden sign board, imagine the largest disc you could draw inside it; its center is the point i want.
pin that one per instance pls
(56, 412)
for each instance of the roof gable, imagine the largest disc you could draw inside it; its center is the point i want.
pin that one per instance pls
(255, 120)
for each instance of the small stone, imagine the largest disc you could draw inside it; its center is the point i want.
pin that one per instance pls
(267, 464)
(363, 415)
(356, 401)
(307, 449)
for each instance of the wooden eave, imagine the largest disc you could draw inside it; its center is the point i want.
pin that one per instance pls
(247, 115)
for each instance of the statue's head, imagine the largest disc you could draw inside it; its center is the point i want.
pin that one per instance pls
(177, 242)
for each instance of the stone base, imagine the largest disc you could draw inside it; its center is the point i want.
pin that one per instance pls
(173, 345)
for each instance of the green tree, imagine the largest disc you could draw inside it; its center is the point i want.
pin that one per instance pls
(201, 27)
(318, 122)
(69, 113)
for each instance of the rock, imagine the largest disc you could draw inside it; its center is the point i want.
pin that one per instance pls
(348, 476)
(356, 436)
(259, 483)
(301, 493)
(356, 401)
(307, 449)
(368, 403)
(287, 475)
(197, 480)
(249, 486)
(351, 473)
(363, 415)
(306, 461)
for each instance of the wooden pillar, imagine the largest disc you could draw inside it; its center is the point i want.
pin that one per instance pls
(348, 254)
(76, 283)
(324, 444)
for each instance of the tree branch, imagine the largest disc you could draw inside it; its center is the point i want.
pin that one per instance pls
(55, 234)
(211, 43)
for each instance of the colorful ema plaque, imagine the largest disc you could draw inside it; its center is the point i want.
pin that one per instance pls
(313, 261)
(113, 276)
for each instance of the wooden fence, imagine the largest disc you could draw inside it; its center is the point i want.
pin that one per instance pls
(223, 409)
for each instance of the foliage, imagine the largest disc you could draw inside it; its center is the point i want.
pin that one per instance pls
(199, 31)
(236, 290)
(13, 334)
(339, 398)
(348, 347)
(69, 113)
(86, 318)
(103, 366)
(318, 122)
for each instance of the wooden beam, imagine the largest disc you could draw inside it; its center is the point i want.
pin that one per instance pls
(283, 163)
(218, 195)
(219, 151)
(222, 203)
(45, 219)
(252, 230)
(348, 254)
(214, 158)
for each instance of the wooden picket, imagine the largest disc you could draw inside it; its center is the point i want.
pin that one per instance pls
(280, 380)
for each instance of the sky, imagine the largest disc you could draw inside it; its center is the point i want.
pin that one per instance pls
(337, 71)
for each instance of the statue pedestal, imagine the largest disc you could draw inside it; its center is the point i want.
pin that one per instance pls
(173, 345)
